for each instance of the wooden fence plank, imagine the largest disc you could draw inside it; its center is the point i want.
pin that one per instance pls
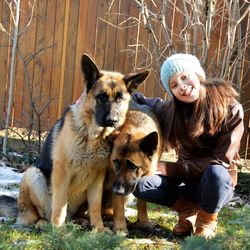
(48, 60)
(70, 54)
(91, 27)
(39, 59)
(142, 59)
(155, 89)
(121, 38)
(132, 32)
(110, 48)
(20, 117)
(63, 61)
(56, 61)
(80, 49)
(28, 83)
(4, 62)
(101, 34)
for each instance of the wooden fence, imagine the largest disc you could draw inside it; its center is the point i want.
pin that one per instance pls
(47, 67)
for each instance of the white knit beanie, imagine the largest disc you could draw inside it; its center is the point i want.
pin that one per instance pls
(179, 63)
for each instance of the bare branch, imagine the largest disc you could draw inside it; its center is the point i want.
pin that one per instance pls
(147, 23)
(135, 23)
(243, 15)
(30, 19)
(5, 31)
(34, 54)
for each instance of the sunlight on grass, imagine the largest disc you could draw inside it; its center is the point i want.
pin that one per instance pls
(233, 234)
(67, 237)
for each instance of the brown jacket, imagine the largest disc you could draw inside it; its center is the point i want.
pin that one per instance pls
(219, 149)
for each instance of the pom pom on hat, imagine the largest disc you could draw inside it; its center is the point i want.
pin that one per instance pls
(179, 63)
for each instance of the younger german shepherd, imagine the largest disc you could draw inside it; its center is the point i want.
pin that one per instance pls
(136, 151)
(76, 153)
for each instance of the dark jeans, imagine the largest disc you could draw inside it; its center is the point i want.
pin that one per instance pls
(212, 191)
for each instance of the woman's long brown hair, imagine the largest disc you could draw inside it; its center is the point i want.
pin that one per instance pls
(203, 117)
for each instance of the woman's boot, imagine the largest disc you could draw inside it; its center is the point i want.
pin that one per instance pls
(206, 224)
(187, 212)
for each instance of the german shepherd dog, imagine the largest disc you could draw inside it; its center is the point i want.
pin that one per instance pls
(76, 153)
(136, 151)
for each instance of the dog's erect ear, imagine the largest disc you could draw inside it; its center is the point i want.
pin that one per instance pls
(90, 71)
(134, 80)
(148, 145)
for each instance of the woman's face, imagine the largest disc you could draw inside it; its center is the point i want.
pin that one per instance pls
(185, 86)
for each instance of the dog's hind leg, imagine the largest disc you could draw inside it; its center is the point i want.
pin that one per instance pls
(34, 202)
(77, 208)
(77, 205)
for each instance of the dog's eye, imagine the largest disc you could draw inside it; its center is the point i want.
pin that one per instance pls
(119, 96)
(102, 97)
(131, 166)
(117, 164)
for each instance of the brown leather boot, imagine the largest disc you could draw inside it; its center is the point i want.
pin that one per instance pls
(206, 224)
(187, 212)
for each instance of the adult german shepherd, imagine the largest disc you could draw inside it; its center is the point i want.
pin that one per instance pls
(76, 153)
(136, 151)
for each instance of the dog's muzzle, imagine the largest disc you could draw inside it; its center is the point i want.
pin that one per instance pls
(112, 121)
(119, 189)
(107, 120)
(123, 189)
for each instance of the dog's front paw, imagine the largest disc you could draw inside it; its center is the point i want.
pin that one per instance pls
(84, 223)
(146, 225)
(104, 230)
(120, 225)
(41, 223)
(57, 220)
(121, 230)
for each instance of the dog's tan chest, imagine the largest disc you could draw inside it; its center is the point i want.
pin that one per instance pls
(92, 156)
(86, 164)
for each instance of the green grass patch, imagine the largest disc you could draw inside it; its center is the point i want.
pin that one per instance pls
(66, 237)
(233, 233)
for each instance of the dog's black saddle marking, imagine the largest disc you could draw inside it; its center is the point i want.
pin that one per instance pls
(44, 162)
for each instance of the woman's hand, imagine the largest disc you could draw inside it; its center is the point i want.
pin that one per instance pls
(138, 98)
(162, 168)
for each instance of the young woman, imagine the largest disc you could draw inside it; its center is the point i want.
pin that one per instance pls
(203, 122)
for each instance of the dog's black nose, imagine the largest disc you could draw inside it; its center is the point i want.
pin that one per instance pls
(118, 189)
(112, 121)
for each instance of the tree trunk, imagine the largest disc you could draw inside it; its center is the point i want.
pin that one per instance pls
(12, 72)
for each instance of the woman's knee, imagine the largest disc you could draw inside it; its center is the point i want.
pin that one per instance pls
(216, 188)
(147, 183)
(217, 175)
(157, 189)
(139, 187)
